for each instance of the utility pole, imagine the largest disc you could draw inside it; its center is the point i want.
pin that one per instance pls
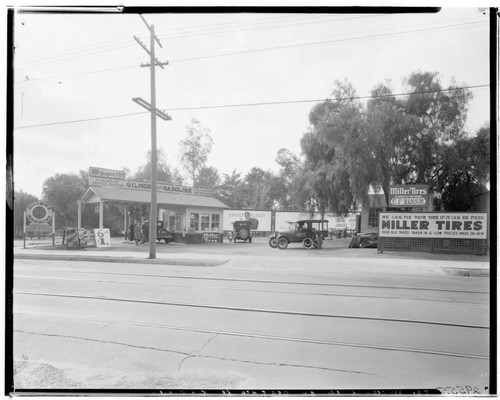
(153, 214)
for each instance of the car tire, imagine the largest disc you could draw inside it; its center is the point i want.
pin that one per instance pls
(273, 242)
(243, 234)
(308, 243)
(250, 239)
(282, 243)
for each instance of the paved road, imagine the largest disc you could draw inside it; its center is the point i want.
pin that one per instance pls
(293, 319)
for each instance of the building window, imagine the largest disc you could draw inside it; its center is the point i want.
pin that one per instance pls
(179, 222)
(215, 222)
(373, 217)
(205, 222)
(194, 221)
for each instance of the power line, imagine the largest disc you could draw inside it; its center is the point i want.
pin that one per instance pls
(256, 28)
(187, 59)
(319, 42)
(257, 105)
(81, 120)
(117, 44)
(123, 42)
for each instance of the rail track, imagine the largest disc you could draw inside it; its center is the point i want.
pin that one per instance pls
(146, 299)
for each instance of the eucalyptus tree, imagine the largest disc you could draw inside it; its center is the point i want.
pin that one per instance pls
(437, 116)
(388, 131)
(336, 155)
(195, 148)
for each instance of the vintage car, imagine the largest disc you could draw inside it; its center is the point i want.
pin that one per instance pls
(364, 241)
(309, 232)
(241, 231)
(162, 233)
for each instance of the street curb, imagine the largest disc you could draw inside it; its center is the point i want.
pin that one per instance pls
(125, 260)
(478, 272)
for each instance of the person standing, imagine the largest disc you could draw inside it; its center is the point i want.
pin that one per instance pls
(131, 230)
(145, 232)
(137, 233)
(254, 222)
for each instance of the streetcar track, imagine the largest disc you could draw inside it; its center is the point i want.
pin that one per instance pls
(189, 355)
(256, 336)
(250, 290)
(264, 281)
(248, 309)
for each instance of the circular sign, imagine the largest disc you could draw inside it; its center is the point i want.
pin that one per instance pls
(39, 213)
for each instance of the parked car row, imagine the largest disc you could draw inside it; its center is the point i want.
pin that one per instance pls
(309, 232)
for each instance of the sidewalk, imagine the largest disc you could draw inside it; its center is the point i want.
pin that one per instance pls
(179, 254)
(117, 253)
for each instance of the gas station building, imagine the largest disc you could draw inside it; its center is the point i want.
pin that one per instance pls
(184, 210)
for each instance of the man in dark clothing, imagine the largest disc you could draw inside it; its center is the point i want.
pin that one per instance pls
(145, 232)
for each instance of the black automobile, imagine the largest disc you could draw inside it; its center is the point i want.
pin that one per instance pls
(162, 233)
(309, 232)
(241, 231)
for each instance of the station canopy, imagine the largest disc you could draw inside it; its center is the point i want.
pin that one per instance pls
(95, 194)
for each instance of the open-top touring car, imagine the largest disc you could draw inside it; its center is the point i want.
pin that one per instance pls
(309, 232)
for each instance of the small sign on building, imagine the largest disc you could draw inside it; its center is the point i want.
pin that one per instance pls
(409, 196)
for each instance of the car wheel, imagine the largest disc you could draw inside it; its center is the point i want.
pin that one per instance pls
(243, 234)
(282, 243)
(250, 239)
(308, 243)
(273, 242)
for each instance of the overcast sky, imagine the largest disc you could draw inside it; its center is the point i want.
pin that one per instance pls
(71, 67)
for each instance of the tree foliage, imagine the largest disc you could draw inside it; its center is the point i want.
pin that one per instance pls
(395, 140)
(334, 150)
(289, 190)
(165, 173)
(208, 177)
(62, 192)
(21, 202)
(257, 189)
(230, 190)
(464, 173)
(195, 148)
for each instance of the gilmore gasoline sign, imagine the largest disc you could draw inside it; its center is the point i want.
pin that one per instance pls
(408, 196)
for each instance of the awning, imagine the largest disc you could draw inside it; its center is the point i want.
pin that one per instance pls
(95, 194)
